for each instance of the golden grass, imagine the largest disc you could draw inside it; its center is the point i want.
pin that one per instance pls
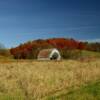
(36, 79)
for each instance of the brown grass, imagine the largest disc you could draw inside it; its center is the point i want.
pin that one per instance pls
(37, 79)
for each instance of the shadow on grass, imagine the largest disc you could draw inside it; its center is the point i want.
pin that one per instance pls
(89, 92)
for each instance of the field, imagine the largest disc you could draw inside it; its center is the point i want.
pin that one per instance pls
(52, 80)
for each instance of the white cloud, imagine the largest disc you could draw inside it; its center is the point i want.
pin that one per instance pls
(91, 40)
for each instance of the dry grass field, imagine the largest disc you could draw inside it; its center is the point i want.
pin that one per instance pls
(40, 80)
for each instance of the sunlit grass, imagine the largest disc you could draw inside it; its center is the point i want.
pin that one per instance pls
(37, 80)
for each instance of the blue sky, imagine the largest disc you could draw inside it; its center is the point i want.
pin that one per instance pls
(24, 20)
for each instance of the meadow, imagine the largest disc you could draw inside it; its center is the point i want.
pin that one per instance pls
(50, 80)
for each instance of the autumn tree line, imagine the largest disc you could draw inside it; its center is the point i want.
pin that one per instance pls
(69, 48)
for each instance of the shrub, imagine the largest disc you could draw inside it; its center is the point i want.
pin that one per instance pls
(70, 54)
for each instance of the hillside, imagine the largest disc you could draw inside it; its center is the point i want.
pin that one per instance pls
(69, 48)
(30, 49)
